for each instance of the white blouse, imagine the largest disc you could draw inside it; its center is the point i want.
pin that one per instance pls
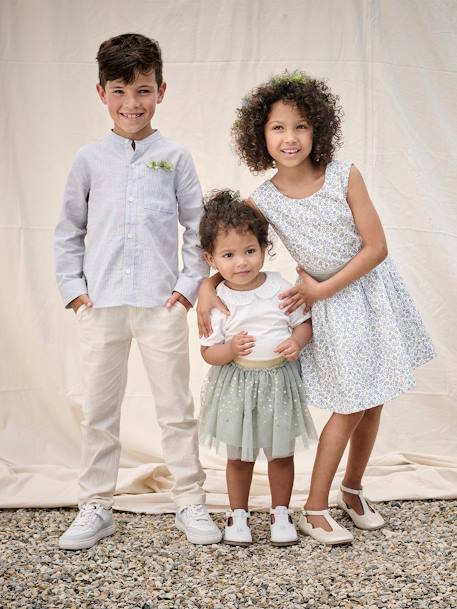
(256, 311)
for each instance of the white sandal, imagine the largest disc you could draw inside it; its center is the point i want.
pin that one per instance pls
(336, 536)
(238, 533)
(283, 531)
(369, 520)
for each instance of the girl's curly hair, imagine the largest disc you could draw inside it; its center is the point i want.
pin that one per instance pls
(311, 97)
(225, 210)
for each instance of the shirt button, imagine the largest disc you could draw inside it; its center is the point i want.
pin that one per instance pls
(130, 199)
(129, 235)
(127, 271)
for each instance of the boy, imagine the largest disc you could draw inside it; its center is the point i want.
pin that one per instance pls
(116, 250)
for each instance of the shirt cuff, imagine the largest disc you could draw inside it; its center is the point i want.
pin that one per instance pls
(71, 290)
(188, 288)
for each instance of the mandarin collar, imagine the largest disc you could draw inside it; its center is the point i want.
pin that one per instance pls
(139, 144)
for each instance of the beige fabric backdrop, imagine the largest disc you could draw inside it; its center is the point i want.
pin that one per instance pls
(394, 65)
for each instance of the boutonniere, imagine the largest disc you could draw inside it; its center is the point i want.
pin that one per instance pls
(160, 165)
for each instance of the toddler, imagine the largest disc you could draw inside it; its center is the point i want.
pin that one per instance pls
(253, 398)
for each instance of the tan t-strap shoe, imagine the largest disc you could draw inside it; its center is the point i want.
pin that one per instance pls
(336, 536)
(369, 520)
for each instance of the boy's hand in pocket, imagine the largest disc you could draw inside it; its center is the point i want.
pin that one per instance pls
(175, 297)
(80, 300)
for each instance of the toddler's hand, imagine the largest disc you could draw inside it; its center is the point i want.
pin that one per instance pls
(289, 349)
(304, 293)
(207, 300)
(242, 344)
(80, 300)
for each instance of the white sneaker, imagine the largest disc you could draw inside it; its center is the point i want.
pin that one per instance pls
(283, 531)
(91, 524)
(195, 522)
(238, 532)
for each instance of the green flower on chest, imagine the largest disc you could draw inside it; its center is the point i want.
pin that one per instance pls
(160, 165)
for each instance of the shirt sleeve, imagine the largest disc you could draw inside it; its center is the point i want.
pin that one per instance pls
(70, 233)
(190, 207)
(298, 316)
(218, 320)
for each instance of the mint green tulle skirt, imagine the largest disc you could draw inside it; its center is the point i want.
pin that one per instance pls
(245, 408)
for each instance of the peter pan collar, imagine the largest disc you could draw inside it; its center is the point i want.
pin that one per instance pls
(269, 288)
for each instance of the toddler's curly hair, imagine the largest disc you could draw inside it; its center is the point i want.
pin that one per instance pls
(225, 210)
(312, 98)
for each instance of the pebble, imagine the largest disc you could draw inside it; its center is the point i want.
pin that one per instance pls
(409, 564)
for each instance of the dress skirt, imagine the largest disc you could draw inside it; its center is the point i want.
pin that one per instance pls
(246, 405)
(367, 340)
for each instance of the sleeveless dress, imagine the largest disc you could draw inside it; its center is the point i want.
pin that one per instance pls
(257, 401)
(367, 338)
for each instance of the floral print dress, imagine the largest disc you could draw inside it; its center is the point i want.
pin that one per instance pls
(369, 337)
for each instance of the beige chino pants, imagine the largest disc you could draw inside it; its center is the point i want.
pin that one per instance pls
(162, 336)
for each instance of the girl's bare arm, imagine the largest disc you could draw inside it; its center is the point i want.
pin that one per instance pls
(373, 252)
(207, 300)
(374, 248)
(223, 353)
(293, 346)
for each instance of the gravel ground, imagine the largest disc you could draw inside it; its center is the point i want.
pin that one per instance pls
(147, 564)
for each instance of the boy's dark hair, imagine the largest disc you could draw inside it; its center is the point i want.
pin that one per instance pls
(124, 56)
(311, 97)
(224, 210)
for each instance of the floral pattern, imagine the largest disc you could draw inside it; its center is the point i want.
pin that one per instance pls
(367, 338)
(166, 165)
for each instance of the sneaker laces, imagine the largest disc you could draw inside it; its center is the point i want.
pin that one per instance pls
(198, 513)
(86, 514)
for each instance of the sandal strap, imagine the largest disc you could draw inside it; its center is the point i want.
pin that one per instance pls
(353, 491)
(326, 514)
(363, 501)
(316, 512)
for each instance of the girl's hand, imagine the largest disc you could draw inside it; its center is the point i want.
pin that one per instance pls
(242, 344)
(207, 300)
(304, 293)
(289, 349)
